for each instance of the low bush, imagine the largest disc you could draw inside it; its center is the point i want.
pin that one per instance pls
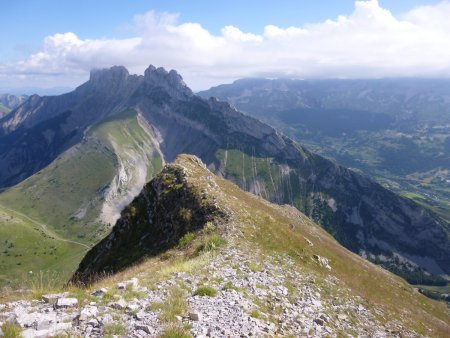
(205, 291)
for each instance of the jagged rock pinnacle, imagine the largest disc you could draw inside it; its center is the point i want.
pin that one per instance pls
(171, 81)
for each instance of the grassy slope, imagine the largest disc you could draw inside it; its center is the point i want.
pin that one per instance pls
(281, 230)
(127, 133)
(25, 247)
(55, 194)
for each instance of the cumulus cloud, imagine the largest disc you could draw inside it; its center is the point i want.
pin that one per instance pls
(370, 42)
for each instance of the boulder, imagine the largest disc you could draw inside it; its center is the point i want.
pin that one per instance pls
(66, 302)
(194, 316)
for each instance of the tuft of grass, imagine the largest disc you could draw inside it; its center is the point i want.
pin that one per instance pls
(181, 265)
(174, 305)
(186, 239)
(115, 329)
(175, 332)
(212, 243)
(255, 267)
(129, 295)
(11, 330)
(108, 296)
(205, 291)
(230, 286)
(44, 282)
(209, 228)
(218, 280)
(256, 314)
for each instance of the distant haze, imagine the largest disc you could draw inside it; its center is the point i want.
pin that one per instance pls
(35, 90)
(369, 42)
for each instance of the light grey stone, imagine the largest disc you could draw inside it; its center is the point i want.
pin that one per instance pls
(99, 292)
(146, 328)
(132, 307)
(319, 321)
(66, 302)
(118, 305)
(52, 298)
(194, 316)
(107, 318)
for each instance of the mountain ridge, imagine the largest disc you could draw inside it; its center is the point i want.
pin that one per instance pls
(359, 213)
(393, 130)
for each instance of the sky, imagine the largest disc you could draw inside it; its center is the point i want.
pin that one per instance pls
(49, 43)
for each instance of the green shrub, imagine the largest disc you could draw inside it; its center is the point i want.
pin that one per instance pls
(108, 296)
(186, 239)
(209, 227)
(175, 332)
(185, 215)
(212, 243)
(205, 291)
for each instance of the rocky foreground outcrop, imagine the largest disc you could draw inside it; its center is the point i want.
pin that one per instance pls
(249, 302)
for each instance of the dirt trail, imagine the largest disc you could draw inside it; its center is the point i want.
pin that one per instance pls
(42, 226)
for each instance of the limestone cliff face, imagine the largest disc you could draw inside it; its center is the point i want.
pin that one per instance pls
(361, 214)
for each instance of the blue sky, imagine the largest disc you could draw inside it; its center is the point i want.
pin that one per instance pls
(26, 24)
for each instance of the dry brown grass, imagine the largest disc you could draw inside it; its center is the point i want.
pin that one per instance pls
(280, 229)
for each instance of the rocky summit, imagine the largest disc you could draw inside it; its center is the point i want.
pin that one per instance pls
(232, 265)
(133, 124)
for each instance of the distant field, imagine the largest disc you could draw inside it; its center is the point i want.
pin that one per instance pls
(27, 248)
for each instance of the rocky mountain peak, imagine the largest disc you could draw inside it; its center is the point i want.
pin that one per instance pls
(171, 81)
(108, 77)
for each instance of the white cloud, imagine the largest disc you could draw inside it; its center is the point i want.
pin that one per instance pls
(370, 42)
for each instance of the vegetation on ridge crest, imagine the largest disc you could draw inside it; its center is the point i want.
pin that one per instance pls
(161, 217)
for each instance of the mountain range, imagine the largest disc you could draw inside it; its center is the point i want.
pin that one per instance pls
(394, 130)
(71, 163)
(9, 102)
